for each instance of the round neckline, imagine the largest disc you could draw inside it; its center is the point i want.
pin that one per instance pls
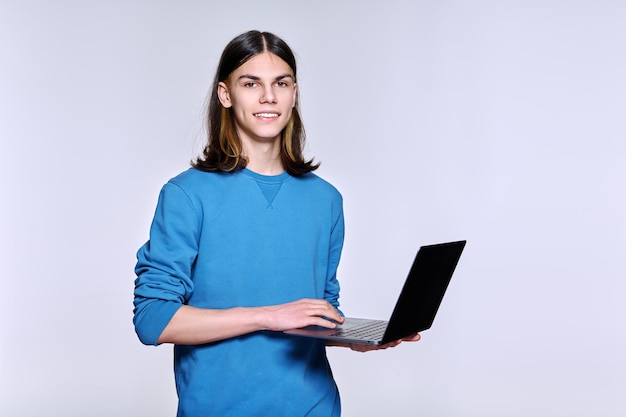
(266, 178)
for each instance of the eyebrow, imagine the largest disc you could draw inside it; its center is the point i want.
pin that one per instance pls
(257, 78)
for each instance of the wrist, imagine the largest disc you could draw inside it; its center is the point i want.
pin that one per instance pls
(260, 317)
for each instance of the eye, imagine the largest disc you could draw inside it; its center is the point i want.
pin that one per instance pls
(249, 84)
(283, 83)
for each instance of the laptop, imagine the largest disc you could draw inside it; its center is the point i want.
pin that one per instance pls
(416, 307)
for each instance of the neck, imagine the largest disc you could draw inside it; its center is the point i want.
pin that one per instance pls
(263, 158)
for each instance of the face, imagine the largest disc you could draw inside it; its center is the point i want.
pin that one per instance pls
(262, 94)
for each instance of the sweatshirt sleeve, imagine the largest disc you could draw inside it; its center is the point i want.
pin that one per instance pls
(165, 263)
(336, 245)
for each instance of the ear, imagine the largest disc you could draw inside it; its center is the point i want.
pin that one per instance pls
(224, 95)
(295, 95)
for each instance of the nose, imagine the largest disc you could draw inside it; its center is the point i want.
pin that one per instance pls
(268, 95)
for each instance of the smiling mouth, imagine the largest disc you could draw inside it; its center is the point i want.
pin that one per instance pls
(266, 115)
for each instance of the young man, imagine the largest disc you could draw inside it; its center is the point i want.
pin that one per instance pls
(244, 245)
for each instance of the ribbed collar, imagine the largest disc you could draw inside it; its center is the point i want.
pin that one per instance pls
(267, 179)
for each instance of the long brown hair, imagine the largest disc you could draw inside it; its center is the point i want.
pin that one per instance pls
(223, 151)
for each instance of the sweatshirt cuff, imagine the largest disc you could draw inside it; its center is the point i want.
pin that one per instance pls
(153, 320)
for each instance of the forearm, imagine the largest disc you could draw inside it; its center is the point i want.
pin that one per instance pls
(192, 326)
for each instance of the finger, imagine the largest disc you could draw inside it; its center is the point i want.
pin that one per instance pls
(322, 308)
(412, 338)
(360, 347)
(334, 315)
(322, 322)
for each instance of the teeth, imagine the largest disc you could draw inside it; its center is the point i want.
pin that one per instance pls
(266, 114)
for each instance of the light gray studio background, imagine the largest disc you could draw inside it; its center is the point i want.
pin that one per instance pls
(499, 122)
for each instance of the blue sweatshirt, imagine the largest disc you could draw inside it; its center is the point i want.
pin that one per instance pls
(222, 240)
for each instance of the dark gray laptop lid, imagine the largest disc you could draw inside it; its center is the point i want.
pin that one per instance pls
(423, 289)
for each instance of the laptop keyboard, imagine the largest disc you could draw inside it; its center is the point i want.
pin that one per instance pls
(370, 331)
